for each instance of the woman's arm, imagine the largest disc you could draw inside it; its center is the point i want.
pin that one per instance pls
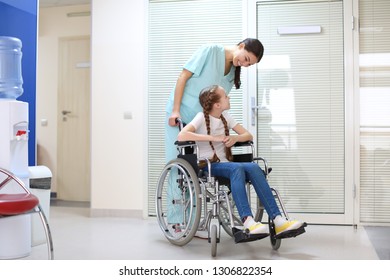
(179, 91)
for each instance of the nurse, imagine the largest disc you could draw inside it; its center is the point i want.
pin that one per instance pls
(210, 64)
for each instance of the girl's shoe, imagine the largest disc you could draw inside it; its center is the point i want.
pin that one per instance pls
(254, 227)
(287, 226)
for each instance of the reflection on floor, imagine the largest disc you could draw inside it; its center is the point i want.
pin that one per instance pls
(380, 239)
(79, 237)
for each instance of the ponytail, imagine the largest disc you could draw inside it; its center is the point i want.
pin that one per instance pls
(237, 77)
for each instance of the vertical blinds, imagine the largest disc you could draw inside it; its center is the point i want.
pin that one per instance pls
(374, 65)
(176, 30)
(301, 95)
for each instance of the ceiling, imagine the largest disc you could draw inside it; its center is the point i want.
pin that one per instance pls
(58, 3)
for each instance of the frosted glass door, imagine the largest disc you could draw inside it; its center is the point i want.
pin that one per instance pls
(300, 100)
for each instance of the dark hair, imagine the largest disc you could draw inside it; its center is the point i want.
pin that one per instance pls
(207, 98)
(251, 45)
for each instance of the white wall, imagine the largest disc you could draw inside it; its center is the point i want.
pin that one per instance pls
(118, 85)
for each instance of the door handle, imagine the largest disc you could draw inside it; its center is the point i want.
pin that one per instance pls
(254, 108)
(65, 113)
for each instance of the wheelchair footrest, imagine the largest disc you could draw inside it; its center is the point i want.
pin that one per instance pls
(292, 233)
(241, 236)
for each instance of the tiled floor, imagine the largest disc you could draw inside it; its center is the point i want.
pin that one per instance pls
(78, 237)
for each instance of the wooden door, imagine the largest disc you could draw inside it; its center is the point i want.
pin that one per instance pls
(73, 143)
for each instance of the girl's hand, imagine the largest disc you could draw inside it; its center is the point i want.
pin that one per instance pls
(229, 140)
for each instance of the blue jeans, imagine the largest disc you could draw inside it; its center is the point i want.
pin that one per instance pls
(241, 172)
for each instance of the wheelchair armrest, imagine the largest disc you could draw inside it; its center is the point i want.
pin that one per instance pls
(184, 143)
(187, 147)
(244, 156)
(242, 144)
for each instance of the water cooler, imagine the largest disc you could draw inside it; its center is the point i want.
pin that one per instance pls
(15, 232)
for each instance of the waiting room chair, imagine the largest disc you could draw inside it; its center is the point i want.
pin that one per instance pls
(14, 204)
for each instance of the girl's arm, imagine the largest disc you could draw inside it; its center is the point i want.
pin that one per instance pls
(179, 91)
(188, 134)
(243, 136)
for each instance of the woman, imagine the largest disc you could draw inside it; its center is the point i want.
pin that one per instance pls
(210, 129)
(211, 64)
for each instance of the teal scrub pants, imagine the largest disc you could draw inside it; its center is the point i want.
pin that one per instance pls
(175, 212)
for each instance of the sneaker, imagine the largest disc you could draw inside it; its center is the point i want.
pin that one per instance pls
(287, 226)
(254, 227)
(176, 228)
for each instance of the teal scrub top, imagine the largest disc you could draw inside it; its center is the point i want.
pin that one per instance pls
(208, 66)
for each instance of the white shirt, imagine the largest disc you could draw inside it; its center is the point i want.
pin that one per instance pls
(216, 128)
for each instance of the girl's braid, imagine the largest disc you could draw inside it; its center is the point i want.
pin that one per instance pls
(207, 107)
(228, 150)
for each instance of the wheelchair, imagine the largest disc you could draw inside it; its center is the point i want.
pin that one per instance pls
(189, 199)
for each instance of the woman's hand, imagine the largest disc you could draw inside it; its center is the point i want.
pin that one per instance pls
(172, 119)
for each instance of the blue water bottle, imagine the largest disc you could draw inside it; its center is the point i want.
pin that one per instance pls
(11, 81)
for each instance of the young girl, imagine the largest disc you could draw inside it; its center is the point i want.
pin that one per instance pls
(210, 129)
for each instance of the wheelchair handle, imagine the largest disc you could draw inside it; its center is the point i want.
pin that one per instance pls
(179, 122)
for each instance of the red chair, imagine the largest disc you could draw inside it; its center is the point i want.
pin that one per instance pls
(21, 204)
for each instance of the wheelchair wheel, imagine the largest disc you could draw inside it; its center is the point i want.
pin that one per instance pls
(213, 240)
(275, 243)
(178, 202)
